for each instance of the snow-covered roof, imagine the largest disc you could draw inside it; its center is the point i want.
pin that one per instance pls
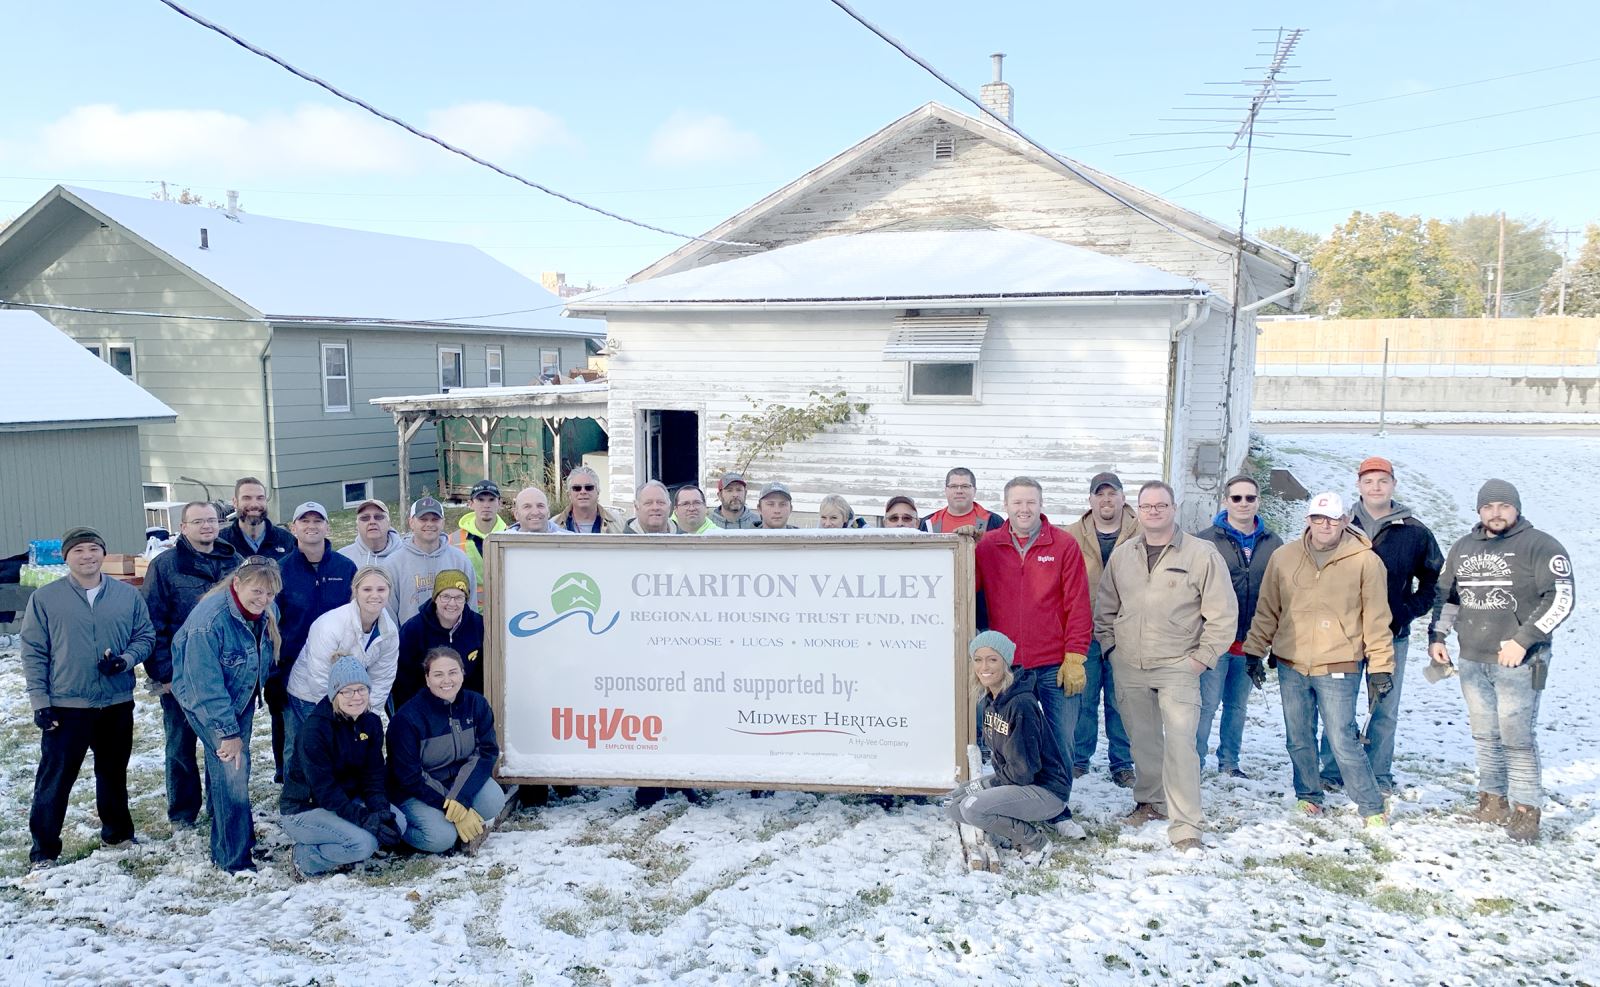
(51, 381)
(929, 265)
(290, 271)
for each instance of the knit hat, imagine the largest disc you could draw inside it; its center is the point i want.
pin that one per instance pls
(77, 536)
(996, 640)
(1492, 491)
(347, 671)
(450, 579)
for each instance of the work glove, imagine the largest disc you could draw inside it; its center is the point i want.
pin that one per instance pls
(1071, 676)
(467, 822)
(380, 823)
(1380, 683)
(111, 665)
(45, 719)
(1256, 669)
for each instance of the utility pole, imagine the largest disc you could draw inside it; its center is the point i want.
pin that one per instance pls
(1566, 247)
(1500, 267)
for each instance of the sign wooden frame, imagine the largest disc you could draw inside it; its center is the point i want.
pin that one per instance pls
(963, 625)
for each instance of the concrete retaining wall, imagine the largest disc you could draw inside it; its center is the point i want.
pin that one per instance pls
(1573, 395)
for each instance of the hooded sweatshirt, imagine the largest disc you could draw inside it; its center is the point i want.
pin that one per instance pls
(362, 556)
(470, 541)
(1512, 587)
(1411, 556)
(1022, 749)
(1324, 619)
(413, 572)
(422, 634)
(1247, 555)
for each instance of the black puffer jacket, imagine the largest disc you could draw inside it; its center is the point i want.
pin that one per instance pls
(338, 766)
(173, 584)
(1411, 555)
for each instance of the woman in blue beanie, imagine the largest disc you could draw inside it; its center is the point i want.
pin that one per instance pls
(1030, 783)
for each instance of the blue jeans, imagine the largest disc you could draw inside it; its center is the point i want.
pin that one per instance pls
(1306, 696)
(296, 712)
(325, 841)
(183, 771)
(1228, 686)
(228, 792)
(1503, 707)
(1381, 725)
(429, 831)
(1060, 709)
(1098, 683)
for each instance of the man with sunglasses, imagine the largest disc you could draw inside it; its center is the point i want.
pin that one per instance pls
(584, 515)
(174, 583)
(1412, 557)
(1246, 544)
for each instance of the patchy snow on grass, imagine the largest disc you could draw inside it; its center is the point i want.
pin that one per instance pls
(804, 889)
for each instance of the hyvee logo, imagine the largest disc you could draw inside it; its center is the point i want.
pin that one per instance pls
(606, 725)
(576, 594)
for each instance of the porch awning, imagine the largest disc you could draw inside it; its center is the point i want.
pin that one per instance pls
(937, 338)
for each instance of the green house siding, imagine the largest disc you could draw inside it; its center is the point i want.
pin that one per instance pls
(54, 479)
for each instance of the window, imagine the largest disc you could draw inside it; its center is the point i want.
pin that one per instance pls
(550, 363)
(120, 355)
(335, 377)
(449, 367)
(356, 491)
(494, 359)
(157, 492)
(98, 349)
(936, 381)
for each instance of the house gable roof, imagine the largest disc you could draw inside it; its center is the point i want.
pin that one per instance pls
(1271, 268)
(919, 268)
(286, 271)
(52, 381)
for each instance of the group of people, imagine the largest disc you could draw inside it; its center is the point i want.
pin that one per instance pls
(1119, 616)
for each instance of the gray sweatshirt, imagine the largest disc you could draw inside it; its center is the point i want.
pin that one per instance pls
(64, 637)
(358, 552)
(413, 572)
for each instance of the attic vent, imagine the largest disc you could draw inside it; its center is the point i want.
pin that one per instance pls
(945, 149)
(937, 338)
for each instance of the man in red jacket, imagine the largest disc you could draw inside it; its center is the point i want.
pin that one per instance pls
(1032, 584)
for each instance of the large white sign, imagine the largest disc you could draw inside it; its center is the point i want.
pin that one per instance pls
(752, 660)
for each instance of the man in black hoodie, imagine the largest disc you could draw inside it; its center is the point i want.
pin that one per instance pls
(1506, 587)
(252, 532)
(173, 584)
(1411, 555)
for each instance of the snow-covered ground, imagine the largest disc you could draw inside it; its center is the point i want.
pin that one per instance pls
(807, 890)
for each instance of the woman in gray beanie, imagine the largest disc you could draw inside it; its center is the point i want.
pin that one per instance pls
(334, 803)
(1030, 783)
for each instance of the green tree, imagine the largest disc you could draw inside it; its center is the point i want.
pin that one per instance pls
(1302, 243)
(1529, 258)
(1583, 281)
(1388, 266)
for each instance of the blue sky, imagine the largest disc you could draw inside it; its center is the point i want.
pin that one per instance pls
(683, 113)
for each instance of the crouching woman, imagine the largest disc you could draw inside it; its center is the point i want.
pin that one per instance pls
(1030, 782)
(441, 753)
(334, 803)
(220, 661)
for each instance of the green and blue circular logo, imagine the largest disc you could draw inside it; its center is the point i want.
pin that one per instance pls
(575, 591)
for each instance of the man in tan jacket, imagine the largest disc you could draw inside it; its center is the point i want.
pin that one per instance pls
(1324, 606)
(1164, 612)
(1107, 523)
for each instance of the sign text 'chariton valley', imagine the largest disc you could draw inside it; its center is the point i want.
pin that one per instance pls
(763, 585)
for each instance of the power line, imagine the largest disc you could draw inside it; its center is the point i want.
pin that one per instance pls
(418, 132)
(1462, 85)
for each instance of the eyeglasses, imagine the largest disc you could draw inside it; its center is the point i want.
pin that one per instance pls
(581, 487)
(1154, 508)
(958, 486)
(371, 517)
(1326, 522)
(202, 522)
(1244, 498)
(901, 517)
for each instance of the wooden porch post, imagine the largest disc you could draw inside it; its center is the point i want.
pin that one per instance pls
(405, 430)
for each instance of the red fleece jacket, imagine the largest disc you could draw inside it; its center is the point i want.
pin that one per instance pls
(1041, 600)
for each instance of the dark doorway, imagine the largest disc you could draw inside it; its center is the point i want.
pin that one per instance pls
(672, 446)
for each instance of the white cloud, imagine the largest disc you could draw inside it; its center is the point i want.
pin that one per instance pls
(499, 130)
(701, 138)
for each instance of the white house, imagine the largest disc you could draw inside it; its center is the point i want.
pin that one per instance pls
(996, 308)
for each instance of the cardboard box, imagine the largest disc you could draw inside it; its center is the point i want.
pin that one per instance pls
(117, 564)
(140, 564)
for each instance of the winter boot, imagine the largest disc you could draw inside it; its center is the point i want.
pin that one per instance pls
(1524, 824)
(1142, 813)
(1493, 809)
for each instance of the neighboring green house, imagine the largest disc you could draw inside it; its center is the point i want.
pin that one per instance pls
(268, 337)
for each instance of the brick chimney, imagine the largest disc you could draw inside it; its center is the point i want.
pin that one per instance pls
(997, 95)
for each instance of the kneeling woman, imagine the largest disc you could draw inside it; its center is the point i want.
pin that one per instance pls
(441, 753)
(334, 804)
(1030, 782)
(220, 660)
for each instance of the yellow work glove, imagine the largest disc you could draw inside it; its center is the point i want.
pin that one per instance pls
(454, 811)
(1071, 677)
(470, 826)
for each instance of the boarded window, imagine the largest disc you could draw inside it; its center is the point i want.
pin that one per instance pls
(494, 358)
(335, 377)
(449, 367)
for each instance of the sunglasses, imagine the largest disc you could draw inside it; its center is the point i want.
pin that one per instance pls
(1244, 498)
(901, 517)
(257, 562)
(581, 487)
(371, 517)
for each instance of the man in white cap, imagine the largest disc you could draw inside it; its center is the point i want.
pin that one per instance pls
(1324, 606)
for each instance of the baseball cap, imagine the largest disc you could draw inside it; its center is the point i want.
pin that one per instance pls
(1104, 479)
(728, 478)
(426, 505)
(1327, 504)
(309, 507)
(372, 502)
(1375, 464)
(774, 488)
(484, 487)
